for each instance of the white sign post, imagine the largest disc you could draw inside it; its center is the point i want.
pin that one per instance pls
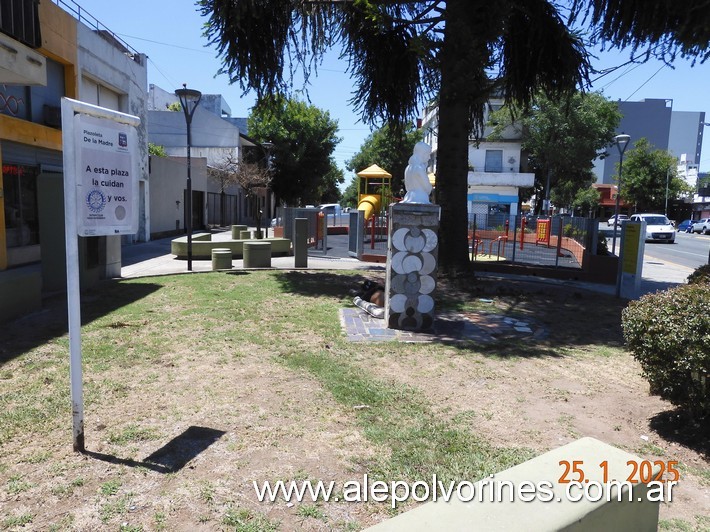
(100, 149)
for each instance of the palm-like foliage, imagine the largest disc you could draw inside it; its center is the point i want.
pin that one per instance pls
(403, 53)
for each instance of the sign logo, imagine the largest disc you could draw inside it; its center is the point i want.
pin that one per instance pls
(122, 140)
(95, 200)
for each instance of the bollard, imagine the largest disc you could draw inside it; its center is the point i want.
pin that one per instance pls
(300, 242)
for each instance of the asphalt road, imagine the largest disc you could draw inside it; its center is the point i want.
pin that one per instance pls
(690, 250)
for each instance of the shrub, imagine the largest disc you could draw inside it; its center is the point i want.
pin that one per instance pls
(669, 334)
(602, 246)
(701, 275)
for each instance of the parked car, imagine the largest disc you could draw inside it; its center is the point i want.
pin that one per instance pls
(622, 217)
(701, 226)
(685, 225)
(658, 227)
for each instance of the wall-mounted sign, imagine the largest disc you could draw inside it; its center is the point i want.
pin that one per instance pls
(106, 176)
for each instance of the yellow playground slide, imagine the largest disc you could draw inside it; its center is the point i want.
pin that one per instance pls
(370, 204)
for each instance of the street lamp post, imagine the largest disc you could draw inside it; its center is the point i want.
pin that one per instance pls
(621, 142)
(189, 98)
(268, 146)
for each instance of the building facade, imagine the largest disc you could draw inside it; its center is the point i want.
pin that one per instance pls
(496, 168)
(81, 60)
(216, 138)
(678, 132)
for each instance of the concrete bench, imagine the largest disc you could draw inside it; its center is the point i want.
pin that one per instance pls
(559, 513)
(257, 254)
(221, 259)
(202, 246)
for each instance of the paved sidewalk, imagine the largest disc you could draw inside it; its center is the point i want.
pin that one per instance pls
(154, 258)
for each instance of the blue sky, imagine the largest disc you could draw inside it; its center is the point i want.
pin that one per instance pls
(170, 33)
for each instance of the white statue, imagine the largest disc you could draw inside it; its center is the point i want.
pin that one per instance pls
(416, 179)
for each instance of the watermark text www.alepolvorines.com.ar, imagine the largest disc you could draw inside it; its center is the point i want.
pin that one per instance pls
(488, 490)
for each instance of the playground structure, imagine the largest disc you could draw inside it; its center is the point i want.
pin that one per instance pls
(519, 239)
(375, 186)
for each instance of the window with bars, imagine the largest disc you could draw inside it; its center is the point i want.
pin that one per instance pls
(20, 20)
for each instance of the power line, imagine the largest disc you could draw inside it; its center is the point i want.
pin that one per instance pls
(644, 83)
(167, 44)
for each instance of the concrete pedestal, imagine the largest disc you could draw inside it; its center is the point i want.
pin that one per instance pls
(237, 231)
(257, 254)
(244, 235)
(412, 262)
(221, 259)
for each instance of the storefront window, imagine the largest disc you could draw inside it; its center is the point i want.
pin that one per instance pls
(20, 197)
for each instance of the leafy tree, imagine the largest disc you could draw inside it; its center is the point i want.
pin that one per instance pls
(587, 200)
(352, 192)
(174, 107)
(157, 150)
(250, 176)
(304, 138)
(330, 192)
(389, 148)
(644, 175)
(562, 139)
(403, 52)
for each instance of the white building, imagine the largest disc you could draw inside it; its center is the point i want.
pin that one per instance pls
(494, 176)
(215, 138)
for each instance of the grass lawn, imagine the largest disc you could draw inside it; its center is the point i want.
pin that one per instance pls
(197, 385)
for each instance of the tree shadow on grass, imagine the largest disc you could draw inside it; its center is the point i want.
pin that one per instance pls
(677, 426)
(563, 316)
(174, 455)
(319, 283)
(24, 334)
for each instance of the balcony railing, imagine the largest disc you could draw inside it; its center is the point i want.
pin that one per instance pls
(92, 22)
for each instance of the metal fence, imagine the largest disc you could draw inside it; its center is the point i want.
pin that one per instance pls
(317, 233)
(557, 241)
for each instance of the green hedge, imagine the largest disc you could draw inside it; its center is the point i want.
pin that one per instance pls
(669, 334)
(701, 275)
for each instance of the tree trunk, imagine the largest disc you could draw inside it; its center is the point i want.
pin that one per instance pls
(452, 154)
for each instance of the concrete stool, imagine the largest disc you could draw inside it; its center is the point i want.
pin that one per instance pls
(221, 259)
(244, 235)
(257, 254)
(236, 231)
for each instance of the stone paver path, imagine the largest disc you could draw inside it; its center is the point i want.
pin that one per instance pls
(482, 327)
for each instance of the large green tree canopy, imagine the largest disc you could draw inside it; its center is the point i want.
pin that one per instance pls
(562, 137)
(402, 53)
(304, 138)
(649, 177)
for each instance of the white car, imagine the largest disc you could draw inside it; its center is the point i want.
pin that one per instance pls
(702, 226)
(622, 217)
(658, 227)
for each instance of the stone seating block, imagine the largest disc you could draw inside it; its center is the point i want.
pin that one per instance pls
(257, 254)
(221, 259)
(237, 230)
(637, 512)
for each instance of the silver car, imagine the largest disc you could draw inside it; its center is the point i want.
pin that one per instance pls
(702, 226)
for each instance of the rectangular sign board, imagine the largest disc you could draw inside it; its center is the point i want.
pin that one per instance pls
(106, 177)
